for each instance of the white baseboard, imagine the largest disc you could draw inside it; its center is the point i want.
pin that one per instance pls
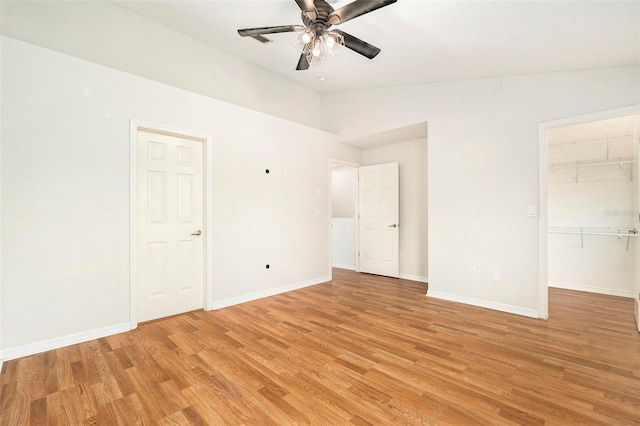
(590, 289)
(219, 304)
(414, 278)
(59, 342)
(342, 266)
(532, 313)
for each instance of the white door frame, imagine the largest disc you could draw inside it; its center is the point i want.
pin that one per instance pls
(208, 207)
(330, 210)
(543, 243)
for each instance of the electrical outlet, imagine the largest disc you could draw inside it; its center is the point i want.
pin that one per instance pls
(472, 272)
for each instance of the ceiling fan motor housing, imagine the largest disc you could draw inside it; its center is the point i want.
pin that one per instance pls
(320, 23)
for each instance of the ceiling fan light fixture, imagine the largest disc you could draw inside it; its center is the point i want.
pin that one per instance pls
(314, 41)
(316, 47)
(305, 40)
(333, 42)
(306, 36)
(329, 41)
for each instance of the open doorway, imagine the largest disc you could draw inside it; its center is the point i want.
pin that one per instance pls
(344, 213)
(589, 205)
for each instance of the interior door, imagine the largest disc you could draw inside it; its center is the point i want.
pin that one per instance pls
(637, 209)
(169, 225)
(379, 224)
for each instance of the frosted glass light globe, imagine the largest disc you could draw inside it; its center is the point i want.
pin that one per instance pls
(330, 42)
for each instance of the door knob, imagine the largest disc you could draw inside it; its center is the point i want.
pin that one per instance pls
(197, 233)
(395, 225)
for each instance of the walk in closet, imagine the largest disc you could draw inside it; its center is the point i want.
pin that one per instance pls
(593, 206)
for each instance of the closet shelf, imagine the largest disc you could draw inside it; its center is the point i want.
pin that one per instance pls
(610, 138)
(619, 161)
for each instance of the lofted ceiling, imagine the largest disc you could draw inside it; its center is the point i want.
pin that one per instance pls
(421, 41)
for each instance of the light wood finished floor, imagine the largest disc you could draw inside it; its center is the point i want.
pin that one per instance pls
(358, 350)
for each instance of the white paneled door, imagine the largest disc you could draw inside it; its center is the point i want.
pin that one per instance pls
(379, 196)
(169, 225)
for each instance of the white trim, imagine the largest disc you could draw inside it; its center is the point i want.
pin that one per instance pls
(59, 342)
(590, 289)
(267, 293)
(0, 216)
(543, 244)
(543, 215)
(208, 206)
(133, 138)
(483, 304)
(414, 278)
(208, 210)
(343, 266)
(343, 163)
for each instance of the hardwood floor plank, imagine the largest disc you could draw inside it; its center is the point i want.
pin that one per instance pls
(359, 350)
(38, 412)
(210, 410)
(192, 417)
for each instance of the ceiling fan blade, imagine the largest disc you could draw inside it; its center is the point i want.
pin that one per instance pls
(308, 8)
(250, 32)
(303, 63)
(357, 45)
(355, 9)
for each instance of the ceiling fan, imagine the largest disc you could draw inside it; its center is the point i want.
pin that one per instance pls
(314, 39)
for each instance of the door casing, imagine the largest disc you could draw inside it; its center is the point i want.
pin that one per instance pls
(135, 126)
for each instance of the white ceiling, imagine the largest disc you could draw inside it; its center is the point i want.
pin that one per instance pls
(421, 41)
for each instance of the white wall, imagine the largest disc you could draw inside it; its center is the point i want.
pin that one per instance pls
(344, 191)
(603, 265)
(412, 157)
(106, 33)
(483, 168)
(343, 243)
(65, 194)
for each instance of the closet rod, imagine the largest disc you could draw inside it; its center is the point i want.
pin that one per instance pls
(622, 232)
(592, 163)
